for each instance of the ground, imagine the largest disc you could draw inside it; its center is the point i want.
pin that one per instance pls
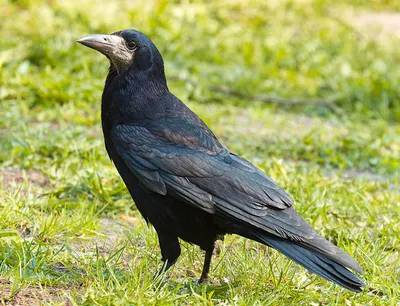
(69, 232)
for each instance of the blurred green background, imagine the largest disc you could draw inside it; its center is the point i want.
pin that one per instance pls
(303, 49)
(308, 90)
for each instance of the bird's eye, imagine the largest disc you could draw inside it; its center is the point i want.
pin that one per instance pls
(131, 45)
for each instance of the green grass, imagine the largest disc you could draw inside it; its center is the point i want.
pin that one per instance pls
(68, 228)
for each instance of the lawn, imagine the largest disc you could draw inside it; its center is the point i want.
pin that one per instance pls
(308, 91)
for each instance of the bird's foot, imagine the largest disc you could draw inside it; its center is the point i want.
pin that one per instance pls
(203, 280)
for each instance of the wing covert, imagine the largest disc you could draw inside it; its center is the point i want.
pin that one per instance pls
(201, 172)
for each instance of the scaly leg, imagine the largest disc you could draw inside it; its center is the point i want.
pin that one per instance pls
(206, 267)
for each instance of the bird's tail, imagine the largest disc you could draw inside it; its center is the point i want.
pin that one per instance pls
(314, 261)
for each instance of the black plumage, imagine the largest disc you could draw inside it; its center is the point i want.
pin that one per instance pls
(183, 181)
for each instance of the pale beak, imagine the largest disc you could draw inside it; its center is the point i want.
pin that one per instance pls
(106, 44)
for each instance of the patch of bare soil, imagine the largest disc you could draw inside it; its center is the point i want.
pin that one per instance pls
(111, 231)
(372, 177)
(109, 234)
(298, 126)
(32, 296)
(13, 178)
(377, 25)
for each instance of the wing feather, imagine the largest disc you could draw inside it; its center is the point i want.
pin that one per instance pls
(206, 175)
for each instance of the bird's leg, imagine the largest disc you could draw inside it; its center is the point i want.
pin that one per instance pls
(206, 267)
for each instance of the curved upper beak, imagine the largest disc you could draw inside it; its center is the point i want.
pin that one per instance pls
(106, 44)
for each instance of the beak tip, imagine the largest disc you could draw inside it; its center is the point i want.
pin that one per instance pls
(80, 40)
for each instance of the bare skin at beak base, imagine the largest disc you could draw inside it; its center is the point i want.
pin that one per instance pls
(112, 46)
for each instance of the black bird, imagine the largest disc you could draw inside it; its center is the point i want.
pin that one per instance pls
(183, 181)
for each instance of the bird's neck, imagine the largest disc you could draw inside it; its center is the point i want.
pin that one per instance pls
(148, 84)
(130, 94)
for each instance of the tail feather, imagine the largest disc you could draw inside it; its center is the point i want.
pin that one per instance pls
(315, 262)
(320, 245)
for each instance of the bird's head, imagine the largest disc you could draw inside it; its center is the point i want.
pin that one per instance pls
(125, 49)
